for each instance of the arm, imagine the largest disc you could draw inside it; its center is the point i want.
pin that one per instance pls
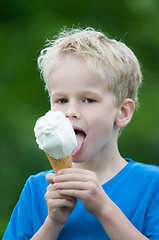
(59, 209)
(84, 184)
(117, 225)
(48, 231)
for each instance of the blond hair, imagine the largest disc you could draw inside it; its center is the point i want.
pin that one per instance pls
(113, 60)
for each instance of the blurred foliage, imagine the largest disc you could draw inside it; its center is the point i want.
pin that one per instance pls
(24, 28)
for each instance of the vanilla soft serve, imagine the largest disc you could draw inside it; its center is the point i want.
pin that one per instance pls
(55, 135)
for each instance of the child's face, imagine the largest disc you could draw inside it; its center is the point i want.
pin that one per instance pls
(86, 99)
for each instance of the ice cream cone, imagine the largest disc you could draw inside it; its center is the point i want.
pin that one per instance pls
(61, 163)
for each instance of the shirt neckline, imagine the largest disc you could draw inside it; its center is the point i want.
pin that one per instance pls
(120, 174)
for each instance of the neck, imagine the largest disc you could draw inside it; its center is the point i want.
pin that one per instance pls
(105, 164)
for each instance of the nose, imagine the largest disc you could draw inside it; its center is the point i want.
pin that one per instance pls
(73, 111)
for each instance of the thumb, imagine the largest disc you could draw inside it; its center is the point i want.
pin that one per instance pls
(49, 177)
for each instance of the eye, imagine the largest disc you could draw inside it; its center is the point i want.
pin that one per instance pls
(89, 100)
(62, 100)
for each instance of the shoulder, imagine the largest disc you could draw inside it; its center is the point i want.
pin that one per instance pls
(149, 169)
(147, 173)
(39, 176)
(37, 181)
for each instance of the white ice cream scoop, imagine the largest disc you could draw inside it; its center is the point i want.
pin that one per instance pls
(55, 135)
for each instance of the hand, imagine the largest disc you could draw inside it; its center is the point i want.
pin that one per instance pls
(59, 206)
(82, 184)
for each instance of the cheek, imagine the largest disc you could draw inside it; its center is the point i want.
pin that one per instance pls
(96, 123)
(57, 107)
(100, 124)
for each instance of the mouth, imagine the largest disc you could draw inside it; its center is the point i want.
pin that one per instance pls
(81, 138)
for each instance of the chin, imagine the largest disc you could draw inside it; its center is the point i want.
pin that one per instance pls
(78, 159)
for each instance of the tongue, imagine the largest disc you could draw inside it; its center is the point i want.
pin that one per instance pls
(80, 141)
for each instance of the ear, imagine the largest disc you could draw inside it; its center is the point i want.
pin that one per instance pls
(125, 113)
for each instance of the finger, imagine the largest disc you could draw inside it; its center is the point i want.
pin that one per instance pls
(73, 170)
(51, 187)
(49, 177)
(56, 195)
(72, 185)
(73, 193)
(75, 176)
(58, 203)
(59, 200)
(69, 185)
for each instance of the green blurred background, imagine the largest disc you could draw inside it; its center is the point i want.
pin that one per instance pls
(24, 27)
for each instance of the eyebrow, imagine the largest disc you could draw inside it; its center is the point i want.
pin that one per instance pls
(83, 92)
(57, 95)
(94, 93)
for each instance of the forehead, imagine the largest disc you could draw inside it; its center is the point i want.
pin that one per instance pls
(73, 70)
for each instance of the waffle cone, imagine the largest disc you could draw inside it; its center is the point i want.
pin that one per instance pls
(61, 163)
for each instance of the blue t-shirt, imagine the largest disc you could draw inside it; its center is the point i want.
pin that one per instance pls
(135, 190)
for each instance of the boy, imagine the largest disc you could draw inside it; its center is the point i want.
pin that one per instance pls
(94, 81)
